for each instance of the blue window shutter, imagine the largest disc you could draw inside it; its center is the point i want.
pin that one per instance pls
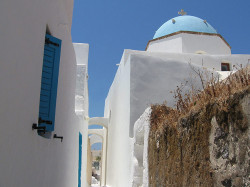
(80, 160)
(49, 80)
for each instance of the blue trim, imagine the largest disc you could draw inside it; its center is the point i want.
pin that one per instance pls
(49, 82)
(80, 160)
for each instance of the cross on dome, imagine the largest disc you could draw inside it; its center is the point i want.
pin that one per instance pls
(182, 12)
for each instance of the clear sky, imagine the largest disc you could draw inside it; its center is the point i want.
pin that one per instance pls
(110, 26)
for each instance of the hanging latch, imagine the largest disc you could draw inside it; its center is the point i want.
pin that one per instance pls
(40, 120)
(59, 137)
(39, 129)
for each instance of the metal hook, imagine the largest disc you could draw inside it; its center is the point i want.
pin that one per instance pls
(59, 137)
(34, 126)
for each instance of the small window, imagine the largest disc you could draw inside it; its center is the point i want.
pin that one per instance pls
(49, 80)
(225, 67)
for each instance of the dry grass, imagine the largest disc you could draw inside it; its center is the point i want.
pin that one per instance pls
(214, 91)
(178, 151)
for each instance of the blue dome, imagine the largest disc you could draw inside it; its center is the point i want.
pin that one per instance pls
(184, 23)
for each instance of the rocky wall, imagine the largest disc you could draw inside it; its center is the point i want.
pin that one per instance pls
(209, 147)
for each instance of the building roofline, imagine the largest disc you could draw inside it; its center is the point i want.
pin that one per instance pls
(187, 32)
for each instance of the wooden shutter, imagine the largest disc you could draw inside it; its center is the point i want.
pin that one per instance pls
(49, 80)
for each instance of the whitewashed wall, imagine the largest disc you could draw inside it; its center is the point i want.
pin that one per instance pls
(144, 78)
(171, 44)
(68, 5)
(82, 103)
(151, 81)
(204, 60)
(154, 75)
(118, 150)
(190, 43)
(26, 158)
(213, 45)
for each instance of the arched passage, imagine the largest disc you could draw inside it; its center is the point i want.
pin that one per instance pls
(95, 154)
(96, 136)
(103, 133)
(99, 121)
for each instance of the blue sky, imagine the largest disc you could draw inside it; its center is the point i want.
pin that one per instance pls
(110, 26)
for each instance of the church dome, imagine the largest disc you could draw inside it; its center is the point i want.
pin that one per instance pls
(184, 23)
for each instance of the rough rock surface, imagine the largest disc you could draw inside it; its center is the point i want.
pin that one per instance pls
(210, 147)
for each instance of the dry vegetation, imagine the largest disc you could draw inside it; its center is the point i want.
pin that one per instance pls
(214, 91)
(179, 137)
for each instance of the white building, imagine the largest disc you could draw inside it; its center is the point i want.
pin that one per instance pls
(38, 68)
(44, 94)
(148, 77)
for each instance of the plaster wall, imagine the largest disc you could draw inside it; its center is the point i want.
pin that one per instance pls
(190, 43)
(117, 109)
(82, 104)
(151, 81)
(89, 164)
(68, 5)
(28, 159)
(204, 60)
(171, 44)
(213, 45)
(82, 51)
(144, 78)
(81, 96)
(153, 76)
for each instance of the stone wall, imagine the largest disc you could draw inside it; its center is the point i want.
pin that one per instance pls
(89, 163)
(209, 147)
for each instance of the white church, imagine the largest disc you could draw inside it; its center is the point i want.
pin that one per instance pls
(179, 46)
(44, 135)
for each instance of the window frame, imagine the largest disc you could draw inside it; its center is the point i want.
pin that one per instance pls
(225, 64)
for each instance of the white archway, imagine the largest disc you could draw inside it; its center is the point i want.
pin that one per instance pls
(102, 133)
(99, 121)
(94, 138)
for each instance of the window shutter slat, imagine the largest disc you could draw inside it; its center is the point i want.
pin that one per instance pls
(49, 80)
(48, 52)
(48, 59)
